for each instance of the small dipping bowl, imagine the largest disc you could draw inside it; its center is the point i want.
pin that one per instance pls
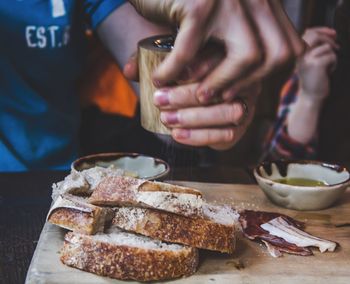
(145, 167)
(335, 177)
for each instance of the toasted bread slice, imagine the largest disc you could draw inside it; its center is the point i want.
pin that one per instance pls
(76, 214)
(128, 191)
(74, 183)
(207, 232)
(84, 182)
(122, 255)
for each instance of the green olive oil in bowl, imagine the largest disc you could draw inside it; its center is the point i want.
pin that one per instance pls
(302, 185)
(301, 182)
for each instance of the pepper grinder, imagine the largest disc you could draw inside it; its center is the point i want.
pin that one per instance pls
(151, 52)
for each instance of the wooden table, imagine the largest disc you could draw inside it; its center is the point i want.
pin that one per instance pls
(250, 263)
(25, 199)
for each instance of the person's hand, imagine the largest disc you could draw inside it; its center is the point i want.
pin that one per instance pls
(257, 36)
(319, 35)
(315, 67)
(314, 70)
(218, 125)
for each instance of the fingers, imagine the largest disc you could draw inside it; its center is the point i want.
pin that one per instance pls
(257, 36)
(320, 50)
(228, 123)
(242, 51)
(193, 19)
(249, 51)
(216, 137)
(181, 55)
(131, 70)
(177, 97)
(316, 39)
(280, 42)
(321, 57)
(204, 62)
(210, 116)
(329, 60)
(313, 32)
(226, 74)
(325, 56)
(321, 39)
(323, 30)
(224, 138)
(185, 94)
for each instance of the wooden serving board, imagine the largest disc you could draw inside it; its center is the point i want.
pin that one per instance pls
(251, 263)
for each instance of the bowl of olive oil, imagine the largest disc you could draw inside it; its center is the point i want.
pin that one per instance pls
(302, 185)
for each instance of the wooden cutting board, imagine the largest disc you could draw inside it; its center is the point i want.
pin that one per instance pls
(251, 263)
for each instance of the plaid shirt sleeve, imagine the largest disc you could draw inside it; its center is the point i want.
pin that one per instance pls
(278, 144)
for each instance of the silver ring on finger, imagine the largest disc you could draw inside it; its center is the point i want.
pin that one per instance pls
(245, 111)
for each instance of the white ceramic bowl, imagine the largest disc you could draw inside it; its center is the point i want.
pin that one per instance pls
(145, 167)
(336, 177)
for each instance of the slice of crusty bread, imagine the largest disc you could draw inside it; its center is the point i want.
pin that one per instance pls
(74, 183)
(84, 182)
(216, 230)
(76, 214)
(128, 191)
(122, 255)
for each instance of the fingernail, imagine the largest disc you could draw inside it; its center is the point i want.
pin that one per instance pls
(161, 97)
(245, 110)
(157, 83)
(169, 118)
(182, 133)
(204, 96)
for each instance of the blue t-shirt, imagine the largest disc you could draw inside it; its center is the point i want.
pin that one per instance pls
(42, 53)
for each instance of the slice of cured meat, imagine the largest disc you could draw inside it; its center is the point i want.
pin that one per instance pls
(251, 222)
(280, 228)
(274, 251)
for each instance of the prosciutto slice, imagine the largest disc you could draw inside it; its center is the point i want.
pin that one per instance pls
(251, 222)
(274, 251)
(280, 228)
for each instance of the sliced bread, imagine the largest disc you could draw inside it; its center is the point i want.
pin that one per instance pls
(84, 182)
(128, 191)
(127, 256)
(216, 230)
(76, 214)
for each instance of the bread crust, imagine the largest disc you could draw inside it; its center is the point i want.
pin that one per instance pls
(127, 262)
(197, 232)
(76, 214)
(128, 191)
(114, 191)
(167, 187)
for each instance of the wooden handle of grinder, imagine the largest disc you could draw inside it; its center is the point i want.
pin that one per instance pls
(151, 52)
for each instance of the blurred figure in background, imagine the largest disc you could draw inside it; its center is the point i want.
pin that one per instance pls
(295, 133)
(331, 140)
